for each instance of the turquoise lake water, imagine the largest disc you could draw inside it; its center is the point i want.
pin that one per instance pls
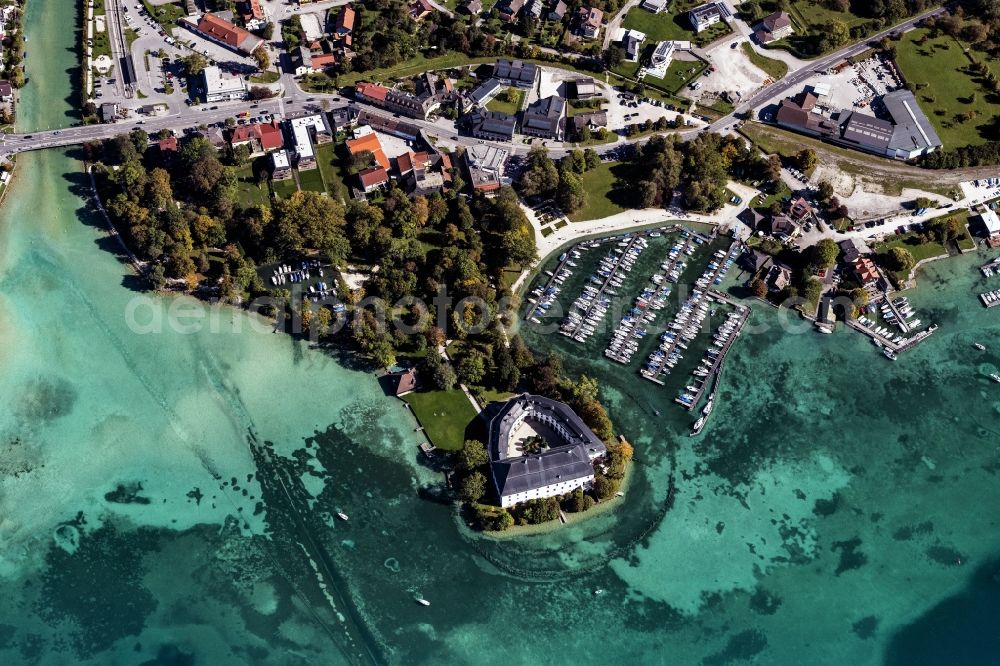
(167, 497)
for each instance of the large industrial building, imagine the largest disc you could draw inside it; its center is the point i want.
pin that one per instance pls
(906, 134)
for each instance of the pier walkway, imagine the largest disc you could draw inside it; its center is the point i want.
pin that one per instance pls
(596, 303)
(887, 342)
(716, 367)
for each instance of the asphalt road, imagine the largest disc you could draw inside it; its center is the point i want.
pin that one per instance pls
(298, 100)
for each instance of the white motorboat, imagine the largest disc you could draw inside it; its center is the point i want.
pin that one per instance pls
(979, 346)
(423, 602)
(342, 515)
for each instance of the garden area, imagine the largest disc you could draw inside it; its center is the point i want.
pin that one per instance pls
(507, 101)
(950, 93)
(599, 184)
(444, 415)
(776, 69)
(673, 24)
(166, 15)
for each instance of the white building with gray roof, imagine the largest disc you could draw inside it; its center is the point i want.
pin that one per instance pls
(565, 464)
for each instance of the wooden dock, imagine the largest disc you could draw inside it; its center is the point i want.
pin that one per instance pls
(987, 303)
(716, 368)
(900, 322)
(604, 285)
(887, 343)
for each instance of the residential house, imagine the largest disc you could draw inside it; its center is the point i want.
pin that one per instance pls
(281, 168)
(662, 55)
(387, 125)
(311, 27)
(403, 383)
(516, 73)
(215, 136)
(865, 271)
(704, 16)
(799, 209)
(397, 101)
(484, 165)
(491, 125)
(508, 10)
(753, 261)
(168, 149)
(784, 227)
(253, 14)
(307, 131)
(484, 92)
(751, 218)
(373, 178)
(778, 277)
(591, 120)
(584, 88)
(219, 88)
(369, 142)
(424, 172)
(632, 44)
(214, 28)
(589, 21)
(854, 249)
(344, 23)
(420, 9)
(344, 116)
(308, 62)
(471, 8)
(6, 92)
(260, 138)
(109, 112)
(545, 118)
(655, 6)
(774, 27)
(558, 11)
(990, 222)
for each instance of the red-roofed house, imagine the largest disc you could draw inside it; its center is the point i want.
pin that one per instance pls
(865, 270)
(261, 137)
(370, 143)
(344, 24)
(168, 145)
(223, 32)
(370, 92)
(420, 9)
(373, 178)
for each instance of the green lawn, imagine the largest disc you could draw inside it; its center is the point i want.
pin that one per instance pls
(444, 415)
(776, 69)
(333, 172)
(268, 76)
(165, 15)
(672, 24)
(599, 184)
(248, 192)
(284, 188)
(507, 101)
(311, 180)
(916, 245)
(947, 91)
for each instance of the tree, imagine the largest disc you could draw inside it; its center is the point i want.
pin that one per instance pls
(571, 196)
(758, 288)
(824, 253)
(806, 160)
(604, 487)
(646, 194)
(613, 57)
(900, 259)
(438, 373)
(262, 58)
(194, 64)
(472, 455)
(541, 175)
(472, 367)
(473, 487)
(825, 190)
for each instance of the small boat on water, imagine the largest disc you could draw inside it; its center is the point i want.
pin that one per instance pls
(979, 346)
(995, 377)
(598, 591)
(889, 354)
(698, 426)
(342, 515)
(423, 602)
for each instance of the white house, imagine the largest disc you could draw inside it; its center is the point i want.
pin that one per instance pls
(222, 89)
